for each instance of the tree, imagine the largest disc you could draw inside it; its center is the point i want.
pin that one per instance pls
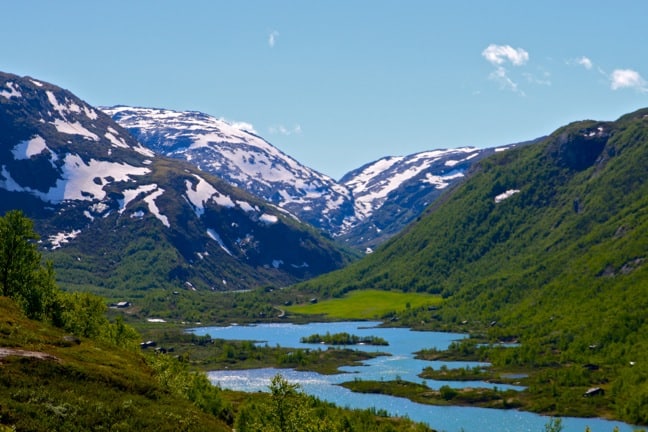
(32, 285)
(287, 410)
(22, 276)
(284, 398)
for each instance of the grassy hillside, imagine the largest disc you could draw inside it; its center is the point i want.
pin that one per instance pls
(558, 265)
(50, 381)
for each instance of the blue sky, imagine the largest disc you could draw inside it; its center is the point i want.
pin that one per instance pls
(339, 83)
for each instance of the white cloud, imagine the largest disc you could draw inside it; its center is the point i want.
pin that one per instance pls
(585, 62)
(283, 130)
(272, 38)
(500, 54)
(244, 126)
(240, 125)
(499, 75)
(627, 78)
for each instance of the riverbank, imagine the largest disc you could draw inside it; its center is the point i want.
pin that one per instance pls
(445, 396)
(206, 353)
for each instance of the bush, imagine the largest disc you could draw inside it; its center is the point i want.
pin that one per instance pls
(31, 284)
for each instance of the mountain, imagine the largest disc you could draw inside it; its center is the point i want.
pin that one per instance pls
(393, 191)
(114, 215)
(547, 245)
(363, 209)
(242, 158)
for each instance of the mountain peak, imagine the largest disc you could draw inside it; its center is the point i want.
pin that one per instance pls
(242, 158)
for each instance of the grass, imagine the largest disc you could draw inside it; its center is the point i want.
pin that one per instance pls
(366, 304)
(79, 384)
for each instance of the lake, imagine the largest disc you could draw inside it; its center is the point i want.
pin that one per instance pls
(400, 364)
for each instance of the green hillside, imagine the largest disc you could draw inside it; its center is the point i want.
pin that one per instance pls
(50, 381)
(558, 265)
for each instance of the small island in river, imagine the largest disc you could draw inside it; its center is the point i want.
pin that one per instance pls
(344, 339)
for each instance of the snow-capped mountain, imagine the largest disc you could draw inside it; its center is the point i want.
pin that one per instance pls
(393, 191)
(130, 218)
(364, 208)
(243, 159)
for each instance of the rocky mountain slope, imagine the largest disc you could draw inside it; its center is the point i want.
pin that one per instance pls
(392, 192)
(241, 158)
(113, 214)
(364, 208)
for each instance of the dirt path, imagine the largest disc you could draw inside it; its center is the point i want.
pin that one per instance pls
(6, 352)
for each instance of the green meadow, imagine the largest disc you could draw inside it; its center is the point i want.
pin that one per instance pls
(366, 304)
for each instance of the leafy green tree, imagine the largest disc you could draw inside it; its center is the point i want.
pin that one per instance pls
(32, 285)
(80, 313)
(288, 410)
(22, 276)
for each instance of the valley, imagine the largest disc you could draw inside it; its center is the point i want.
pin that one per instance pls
(530, 257)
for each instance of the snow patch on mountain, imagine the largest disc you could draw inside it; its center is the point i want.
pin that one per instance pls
(198, 194)
(214, 236)
(131, 194)
(32, 147)
(153, 208)
(246, 206)
(75, 128)
(505, 195)
(268, 219)
(14, 91)
(8, 183)
(69, 107)
(223, 200)
(59, 239)
(113, 136)
(443, 181)
(78, 178)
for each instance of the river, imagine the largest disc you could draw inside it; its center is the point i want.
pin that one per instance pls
(399, 364)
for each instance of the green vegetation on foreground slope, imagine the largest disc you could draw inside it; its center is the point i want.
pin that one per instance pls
(51, 381)
(559, 265)
(64, 366)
